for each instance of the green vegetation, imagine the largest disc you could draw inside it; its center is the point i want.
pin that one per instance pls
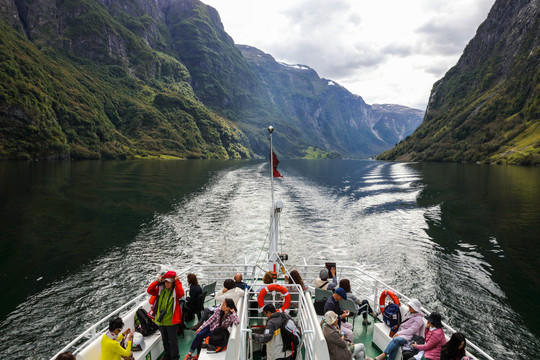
(91, 102)
(313, 153)
(485, 109)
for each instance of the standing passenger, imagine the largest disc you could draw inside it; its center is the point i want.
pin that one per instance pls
(168, 290)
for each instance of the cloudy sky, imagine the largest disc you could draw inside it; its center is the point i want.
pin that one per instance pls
(387, 51)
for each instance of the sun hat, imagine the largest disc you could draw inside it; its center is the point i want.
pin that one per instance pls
(330, 317)
(323, 274)
(415, 304)
(435, 319)
(169, 276)
(341, 292)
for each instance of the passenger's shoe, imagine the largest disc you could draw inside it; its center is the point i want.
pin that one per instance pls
(365, 322)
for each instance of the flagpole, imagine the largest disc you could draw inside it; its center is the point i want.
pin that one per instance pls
(270, 130)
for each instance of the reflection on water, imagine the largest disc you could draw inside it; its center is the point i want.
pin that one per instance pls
(460, 237)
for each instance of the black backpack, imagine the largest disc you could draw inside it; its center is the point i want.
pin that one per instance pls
(392, 317)
(143, 323)
(218, 339)
(290, 335)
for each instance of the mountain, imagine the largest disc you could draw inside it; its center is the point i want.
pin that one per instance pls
(487, 107)
(115, 79)
(327, 115)
(90, 80)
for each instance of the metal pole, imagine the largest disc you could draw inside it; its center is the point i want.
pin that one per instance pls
(270, 129)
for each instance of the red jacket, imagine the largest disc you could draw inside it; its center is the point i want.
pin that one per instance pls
(434, 340)
(155, 289)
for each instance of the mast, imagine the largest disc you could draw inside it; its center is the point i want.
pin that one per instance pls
(274, 215)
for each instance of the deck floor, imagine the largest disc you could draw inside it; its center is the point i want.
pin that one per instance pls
(362, 334)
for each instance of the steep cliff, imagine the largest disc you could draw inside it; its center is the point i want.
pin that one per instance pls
(487, 107)
(329, 116)
(87, 79)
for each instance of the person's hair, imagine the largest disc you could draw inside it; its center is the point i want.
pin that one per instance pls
(452, 346)
(229, 284)
(345, 284)
(230, 304)
(116, 324)
(268, 278)
(296, 279)
(269, 308)
(192, 279)
(66, 356)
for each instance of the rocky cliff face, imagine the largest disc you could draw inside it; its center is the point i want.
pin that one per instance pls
(116, 78)
(329, 116)
(487, 107)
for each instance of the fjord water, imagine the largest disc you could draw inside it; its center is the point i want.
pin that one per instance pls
(79, 238)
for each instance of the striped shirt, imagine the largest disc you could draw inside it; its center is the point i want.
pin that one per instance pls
(227, 321)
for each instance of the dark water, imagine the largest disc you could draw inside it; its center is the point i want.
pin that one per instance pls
(79, 238)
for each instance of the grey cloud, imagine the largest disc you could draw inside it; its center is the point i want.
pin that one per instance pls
(437, 69)
(401, 50)
(445, 39)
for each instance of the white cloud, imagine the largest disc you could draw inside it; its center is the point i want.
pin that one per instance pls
(389, 51)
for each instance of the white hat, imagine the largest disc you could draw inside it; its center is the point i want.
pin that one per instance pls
(330, 317)
(415, 304)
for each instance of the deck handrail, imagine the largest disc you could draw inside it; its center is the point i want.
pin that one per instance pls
(378, 284)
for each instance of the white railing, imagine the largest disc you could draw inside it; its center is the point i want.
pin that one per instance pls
(367, 286)
(205, 273)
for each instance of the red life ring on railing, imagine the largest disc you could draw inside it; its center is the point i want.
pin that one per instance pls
(382, 299)
(275, 287)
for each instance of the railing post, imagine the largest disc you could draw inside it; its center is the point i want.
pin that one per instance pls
(375, 292)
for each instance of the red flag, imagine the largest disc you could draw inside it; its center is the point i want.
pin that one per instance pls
(275, 163)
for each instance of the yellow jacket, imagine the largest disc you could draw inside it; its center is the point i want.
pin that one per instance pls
(112, 350)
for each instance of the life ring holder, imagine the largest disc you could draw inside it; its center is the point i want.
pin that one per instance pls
(275, 287)
(382, 299)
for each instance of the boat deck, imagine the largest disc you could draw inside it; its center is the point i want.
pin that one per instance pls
(362, 334)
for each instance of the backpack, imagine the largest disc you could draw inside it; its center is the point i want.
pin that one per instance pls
(143, 323)
(392, 317)
(218, 339)
(290, 335)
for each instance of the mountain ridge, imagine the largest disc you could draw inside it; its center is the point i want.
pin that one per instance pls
(113, 79)
(487, 107)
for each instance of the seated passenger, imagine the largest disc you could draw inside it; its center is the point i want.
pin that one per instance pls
(434, 338)
(229, 291)
(333, 304)
(322, 281)
(411, 324)
(296, 279)
(191, 301)
(239, 283)
(338, 347)
(454, 349)
(226, 317)
(110, 341)
(361, 305)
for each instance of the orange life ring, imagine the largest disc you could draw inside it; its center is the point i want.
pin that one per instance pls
(382, 299)
(275, 287)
